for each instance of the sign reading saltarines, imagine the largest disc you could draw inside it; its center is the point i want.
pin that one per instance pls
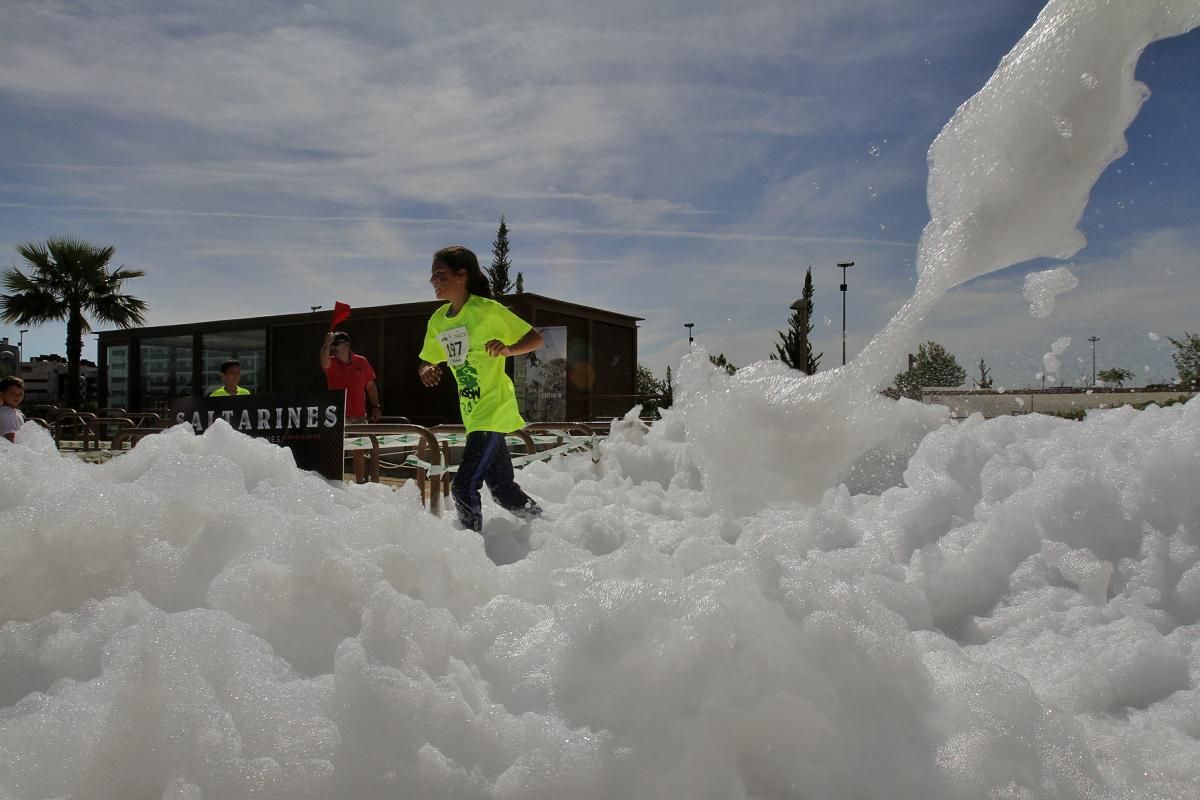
(310, 423)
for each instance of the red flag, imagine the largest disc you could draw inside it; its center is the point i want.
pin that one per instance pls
(341, 312)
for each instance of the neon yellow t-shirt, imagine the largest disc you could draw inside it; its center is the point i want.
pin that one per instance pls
(221, 392)
(485, 393)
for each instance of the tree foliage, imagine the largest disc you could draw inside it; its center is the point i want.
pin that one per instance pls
(720, 361)
(69, 280)
(984, 381)
(650, 390)
(1187, 360)
(795, 345)
(932, 366)
(1115, 375)
(498, 271)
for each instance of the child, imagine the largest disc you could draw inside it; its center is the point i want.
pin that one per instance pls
(12, 392)
(474, 334)
(231, 373)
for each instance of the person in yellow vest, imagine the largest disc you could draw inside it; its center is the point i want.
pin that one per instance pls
(231, 373)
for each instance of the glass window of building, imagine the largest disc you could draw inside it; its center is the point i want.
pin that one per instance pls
(118, 376)
(166, 371)
(247, 347)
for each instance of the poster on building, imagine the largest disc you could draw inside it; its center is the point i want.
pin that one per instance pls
(310, 423)
(540, 378)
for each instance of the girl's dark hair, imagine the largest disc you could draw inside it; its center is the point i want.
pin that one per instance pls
(11, 380)
(457, 258)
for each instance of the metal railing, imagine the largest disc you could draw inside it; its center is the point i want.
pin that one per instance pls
(428, 455)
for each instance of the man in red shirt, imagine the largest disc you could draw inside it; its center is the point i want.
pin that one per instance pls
(345, 369)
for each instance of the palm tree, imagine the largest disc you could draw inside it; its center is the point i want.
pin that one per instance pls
(67, 279)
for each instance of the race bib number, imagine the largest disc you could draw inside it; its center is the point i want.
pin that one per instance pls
(456, 343)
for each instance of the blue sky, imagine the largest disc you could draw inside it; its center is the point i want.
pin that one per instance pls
(680, 161)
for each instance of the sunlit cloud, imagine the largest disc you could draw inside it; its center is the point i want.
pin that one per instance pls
(273, 152)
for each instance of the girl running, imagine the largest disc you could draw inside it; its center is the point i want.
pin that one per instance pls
(473, 334)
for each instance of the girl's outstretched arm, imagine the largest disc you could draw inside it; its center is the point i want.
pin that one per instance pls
(526, 344)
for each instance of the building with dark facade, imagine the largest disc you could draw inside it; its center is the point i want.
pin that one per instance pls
(45, 376)
(46, 380)
(144, 368)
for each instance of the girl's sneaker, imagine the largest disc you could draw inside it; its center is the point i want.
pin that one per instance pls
(530, 510)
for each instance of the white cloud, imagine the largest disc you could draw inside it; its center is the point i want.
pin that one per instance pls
(665, 160)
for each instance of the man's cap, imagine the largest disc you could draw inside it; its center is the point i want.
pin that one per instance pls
(340, 336)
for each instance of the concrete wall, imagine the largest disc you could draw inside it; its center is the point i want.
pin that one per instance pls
(963, 403)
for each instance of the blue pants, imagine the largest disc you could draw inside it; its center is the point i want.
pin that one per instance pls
(485, 459)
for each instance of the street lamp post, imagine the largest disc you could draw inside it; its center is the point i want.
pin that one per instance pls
(1093, 340)
(689, 326)
(844, 265)
(315, 309)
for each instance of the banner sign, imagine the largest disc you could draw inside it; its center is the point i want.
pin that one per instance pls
(310, 423)
(540, 378)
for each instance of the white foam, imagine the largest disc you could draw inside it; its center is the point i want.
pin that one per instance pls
(1041, 289)
(792, 587)
(1025, 583)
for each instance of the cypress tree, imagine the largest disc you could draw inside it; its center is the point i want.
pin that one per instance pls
(498, 271)
(788, 350)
